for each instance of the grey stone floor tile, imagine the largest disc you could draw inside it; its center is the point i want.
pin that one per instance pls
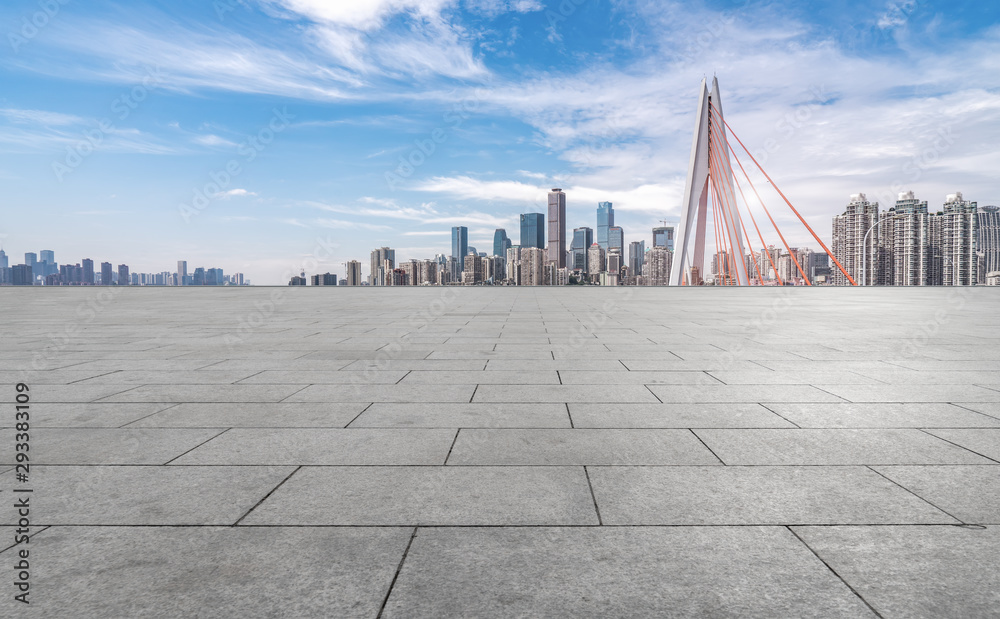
(881, 415)
(833, 447)
(145, 495)
(384, 393)
(580, 446)
(255, 415)
(912, 393)
(453, 415)
(490, 354)
(320, 377)
(480, 377)
(739, 415)
(741, 393)
(755, 495)
(260, 365)
(69, 393)
(354, 355)
(971, 493)
(677, 364)
(613, 379)
(211, 571)
(108, 445)
(985, 441)
(204, 393)
(986, 408)
(427, 495)
(406, 365)
(616, 572)
(790, 377)
(92, 415)
(324, 446)
(564, 393)
(541, 365)
(920, 572)
(168, 377)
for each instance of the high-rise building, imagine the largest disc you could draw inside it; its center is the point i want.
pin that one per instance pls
(107, 278)
(614, 266)
(472, 273)
(513, 266)
(988, 241)
(656, 271)
(909, 243)
(459, 242)
(500, 242)
(427, 273)
(22, 275)
(324, 279)
(31, 259)
(4, 261)
(297, 281)
(532, 266)
(557, 228)
(383, 261)
(88, 271)
(123, 276)
(583, 238)
(353, 273)
(955, 232)
(596, 261)
(533, 230)
(182, 272)
(663, 236)
(616, 239)
(605, 221)
(636, 255)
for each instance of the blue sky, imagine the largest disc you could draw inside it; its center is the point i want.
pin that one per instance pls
(114, 115)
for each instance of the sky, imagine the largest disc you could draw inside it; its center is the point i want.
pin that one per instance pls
(269, 136)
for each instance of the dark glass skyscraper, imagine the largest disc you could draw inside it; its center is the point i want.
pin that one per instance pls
(605, 220)
(616, 239)
(88, 271)
(533, 230)
(583, 238)
(106, 276)
(500, 242)
(459, 242)
(557, 228)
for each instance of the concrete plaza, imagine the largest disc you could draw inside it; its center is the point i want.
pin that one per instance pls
(509, 452)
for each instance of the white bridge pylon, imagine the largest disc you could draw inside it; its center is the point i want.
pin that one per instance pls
(709, 168)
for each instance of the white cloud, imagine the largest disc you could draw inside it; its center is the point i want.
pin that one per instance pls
(39, 117)
(234, 193)
(214, 140)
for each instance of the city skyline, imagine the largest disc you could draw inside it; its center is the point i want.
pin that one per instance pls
(388, 124)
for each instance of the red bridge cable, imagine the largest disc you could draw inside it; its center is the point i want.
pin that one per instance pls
(725, 183)
(727, 240)
(773, 223)
(759, 235)
(815, 236)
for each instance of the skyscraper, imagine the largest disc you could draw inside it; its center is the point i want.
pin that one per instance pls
(988, 242)
(383, 261)
(182, 272)
(657, 268)
(353, 273)
(959, 231)
(605, 220)
(123, 275)
(910, 240)
(532, 265)
(596, 261)
(583, 238)
(636, 254)
(4, 261)
(533, 230)
(616, 239)
(849, 230)
(31, 259)
(106, 277)
(459, 242)
(557, 228)
(500, 242)
(88, 271)
(663, 236)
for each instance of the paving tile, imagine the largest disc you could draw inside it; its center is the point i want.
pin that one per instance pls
(406, 365)
(739, 415)
(756, 495)
(616, 572)
(971, 493)
(912, 393)
(319, 446)
(108, 445)
(986, 408)
(881, 415)
(612, 379)
(69, 393)
(92, 415)
(211, 571)
(833, 447)
(790, 377)
(384, 393)
(742, 393)
(564, 393)
(166, 377)
(145, 495)
(915, 571)
(568, 447)
(255, 415)
(474, 415)
(425, 495)
(205, 393)
(984, 441)
(320, 377)
(541, 365)
(467, 377)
